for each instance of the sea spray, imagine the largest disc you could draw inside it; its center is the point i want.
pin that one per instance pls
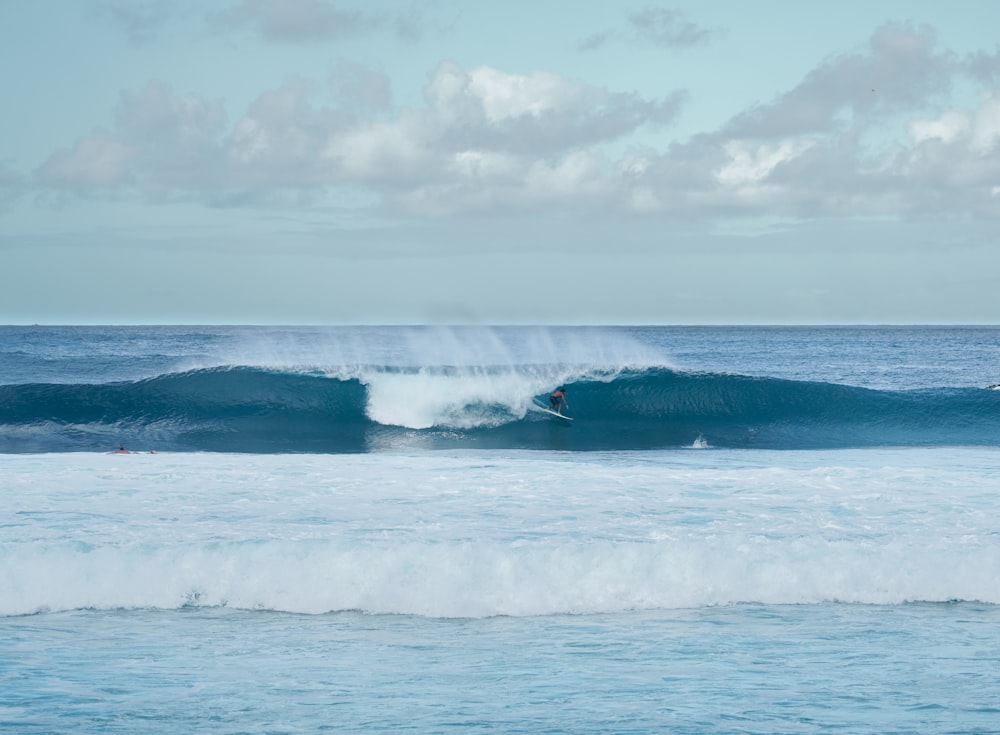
(265, 410)
(479, 534)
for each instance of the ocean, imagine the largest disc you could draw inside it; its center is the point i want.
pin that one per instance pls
(373, 529)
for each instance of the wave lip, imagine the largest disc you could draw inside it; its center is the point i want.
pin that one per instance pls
(249, 409)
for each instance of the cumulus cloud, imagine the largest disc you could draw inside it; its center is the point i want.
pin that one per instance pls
(950, 163)
(666, 27)
(97, 161)
(752, 163)
(900, 70)
(486, 138)
(945, 128)
(873, 132)
(835, 145)
(483, 137)
(596, 40)
(659, 26)
(279, 141)
(141, 20)
(539, 113)
(954, 160)
(984, 67)
(357, 87)
(310, 21)
(162, 142)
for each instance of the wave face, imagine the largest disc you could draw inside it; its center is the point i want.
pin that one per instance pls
(251, 409)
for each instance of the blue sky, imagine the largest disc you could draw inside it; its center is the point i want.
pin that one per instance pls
(317, 161)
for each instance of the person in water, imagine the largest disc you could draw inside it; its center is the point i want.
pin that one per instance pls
(558, 399)
(122, 450)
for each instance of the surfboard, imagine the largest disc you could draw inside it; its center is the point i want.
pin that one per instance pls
(541, 407)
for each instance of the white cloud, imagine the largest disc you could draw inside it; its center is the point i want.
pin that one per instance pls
(480, 128)
(449, 97)
(485, 97)
(488, 139)
(945, 128)
(142, 20)
(99, 160)
(485, 166)
(749, 163)
(373, 152)
(315, 21)
(978, 130)
(666, 27)
(185, 121)
(901, 70)
(162, 142)
(578, 177)
(250, 141)
(507, 96)
(357, 87)
(658, 26)
(954, 162)
(986, 124)
(531, 135)
(293, 21)
(538, 114)
(279, 136)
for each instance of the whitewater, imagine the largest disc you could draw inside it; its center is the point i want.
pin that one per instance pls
(263, 391)
(360, 529)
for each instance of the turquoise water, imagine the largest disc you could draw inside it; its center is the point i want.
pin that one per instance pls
(924, 668)
(370, 389)
(424, 587)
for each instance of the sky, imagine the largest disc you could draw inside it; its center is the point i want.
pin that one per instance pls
(542, 162)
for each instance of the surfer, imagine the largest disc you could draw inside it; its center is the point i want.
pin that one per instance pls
(122, 450)
(558, 399)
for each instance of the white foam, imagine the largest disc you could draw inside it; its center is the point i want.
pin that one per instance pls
(450, 377)
(461, 399)
(482, 534)
(701, 443)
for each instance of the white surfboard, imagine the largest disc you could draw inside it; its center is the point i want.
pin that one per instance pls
(541, 407)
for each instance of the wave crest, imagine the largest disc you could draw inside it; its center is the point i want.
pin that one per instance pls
(372, 407)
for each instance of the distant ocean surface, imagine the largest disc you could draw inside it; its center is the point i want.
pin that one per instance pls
(373, 529)
(373, 389)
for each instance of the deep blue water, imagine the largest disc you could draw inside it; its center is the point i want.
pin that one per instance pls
(354, 390)
(370, 530)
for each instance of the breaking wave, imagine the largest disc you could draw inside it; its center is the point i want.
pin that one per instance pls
(370, 408)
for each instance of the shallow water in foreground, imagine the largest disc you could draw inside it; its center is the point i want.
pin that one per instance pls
(927, 668)
(697, 591)
(746, 530)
